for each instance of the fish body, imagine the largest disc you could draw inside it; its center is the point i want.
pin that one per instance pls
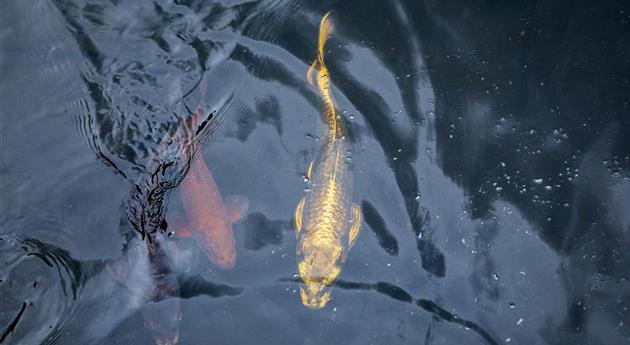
(327, 222)
(209, 218)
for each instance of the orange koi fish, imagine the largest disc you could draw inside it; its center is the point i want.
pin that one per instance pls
(209, 219)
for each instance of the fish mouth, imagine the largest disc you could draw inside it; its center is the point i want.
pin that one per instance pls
(315, 297)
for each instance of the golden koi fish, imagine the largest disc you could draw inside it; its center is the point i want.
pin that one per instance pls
(327, 222)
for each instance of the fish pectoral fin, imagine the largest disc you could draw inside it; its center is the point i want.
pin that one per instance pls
(179, 226)
(236, 207)
(297, 217)
(309, 172)
(355, 226)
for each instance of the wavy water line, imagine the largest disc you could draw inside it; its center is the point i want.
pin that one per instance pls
(49, 303)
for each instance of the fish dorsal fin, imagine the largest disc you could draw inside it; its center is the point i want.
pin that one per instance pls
(236, 207)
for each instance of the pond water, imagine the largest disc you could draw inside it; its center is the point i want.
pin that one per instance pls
(487, 142)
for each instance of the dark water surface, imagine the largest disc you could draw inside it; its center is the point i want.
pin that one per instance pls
(490, 153)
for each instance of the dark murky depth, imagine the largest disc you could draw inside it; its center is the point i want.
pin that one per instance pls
(489, 150)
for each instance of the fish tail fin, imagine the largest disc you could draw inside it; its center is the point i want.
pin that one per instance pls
(325, 30)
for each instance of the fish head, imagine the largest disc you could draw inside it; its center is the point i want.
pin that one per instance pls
(318, 267)
(315, 296)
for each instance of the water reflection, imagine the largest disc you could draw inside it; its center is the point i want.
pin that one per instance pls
(386, 240)
(397, 293)
(140, 98)
(261, 232)
(11, 326)
(488, 140)
(43, 299)
(58, 260)
(40, 287)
